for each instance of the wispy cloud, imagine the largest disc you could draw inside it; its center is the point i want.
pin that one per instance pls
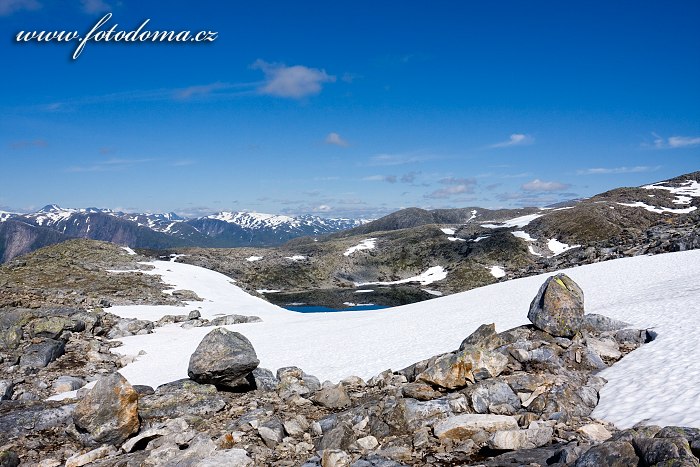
(8, 7)
(380, 178)
(25, 144)
(335, 139)
(201, 90)
(95, 6)
(294, 82)
(674, 142)
(516, 139)
(183, 162)
(109, 165)
(538, 185)
(534, 199)
(617, 170)
(453, 187)
(398, 159)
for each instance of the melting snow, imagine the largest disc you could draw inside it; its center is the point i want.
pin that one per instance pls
(254, 258)
(478, 239)
(364, 291)
(367, 244)
(524, 235)
(659, 210)
(129, 250)
(296, 258)
(656, 384)
(557, 247)
(532, 251)
(434, 274)
(448, 231)
(521, 221)
(263, 291)
(456, 239)
(496, 272)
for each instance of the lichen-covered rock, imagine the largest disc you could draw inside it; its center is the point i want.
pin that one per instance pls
(609, 454)
(558, 307)
(109, 412)
(225, 359)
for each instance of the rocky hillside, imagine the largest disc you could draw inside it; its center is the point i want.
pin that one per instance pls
(523, 396)
(415, 254)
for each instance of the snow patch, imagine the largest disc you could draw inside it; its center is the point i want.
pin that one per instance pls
(456, 239)
(129, 250)
(557, 247)
(367, 244)
(496, 271)
(448, 231)
(521, 221)
(434, 274)
(524, 235)
(437, 293)
(659, 210)
(254, 258)
(264, 291)
(295, 258)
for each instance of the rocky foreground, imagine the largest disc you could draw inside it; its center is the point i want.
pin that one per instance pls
(519, 397)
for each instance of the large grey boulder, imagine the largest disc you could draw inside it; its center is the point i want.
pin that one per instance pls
(109, 412)
(558, 307)
(41, 354)
(225, 359)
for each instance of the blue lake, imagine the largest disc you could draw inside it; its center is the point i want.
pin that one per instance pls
(323, 309)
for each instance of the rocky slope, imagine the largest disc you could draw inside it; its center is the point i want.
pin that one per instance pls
(472, 247)
(519, 397)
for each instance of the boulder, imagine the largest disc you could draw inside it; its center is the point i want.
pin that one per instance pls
(109, 412)
(53, 326)
(8, 459)
(493, 396)
(457, 370)
(595, 432)
(459, 427)
(223, 358)
(6, 389)
(332, 397)
(420, 391)
(264, 379)
(67, 383)
(180, 399)
(234, 319)
(485, 337)
(41, 354)
(609, 454)
(557, 309)
(521, 439)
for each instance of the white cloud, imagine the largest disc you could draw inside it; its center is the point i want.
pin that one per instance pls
(294, 82)
(683, 141)
(323, 208)
(95, 6)
(7, 7)
(336, 139)
(398, 159)
(618, 170)
(539, 185)
(516, 139)
(674, 142)
(381, 178)
(455, 186)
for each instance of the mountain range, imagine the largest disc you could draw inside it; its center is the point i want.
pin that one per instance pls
(22, 233)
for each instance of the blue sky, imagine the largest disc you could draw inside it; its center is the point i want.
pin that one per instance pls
(347, 108)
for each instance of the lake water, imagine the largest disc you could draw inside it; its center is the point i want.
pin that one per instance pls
(323, 309)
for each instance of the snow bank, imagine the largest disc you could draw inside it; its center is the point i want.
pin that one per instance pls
(659, 210)
(656, 383)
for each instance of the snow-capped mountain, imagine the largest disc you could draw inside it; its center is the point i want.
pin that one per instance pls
(168, 230)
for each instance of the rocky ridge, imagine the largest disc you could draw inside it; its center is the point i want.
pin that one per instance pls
(519, 397)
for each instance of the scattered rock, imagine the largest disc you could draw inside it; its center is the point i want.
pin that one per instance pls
(464, 426)
(234, 319)
(78, 460)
